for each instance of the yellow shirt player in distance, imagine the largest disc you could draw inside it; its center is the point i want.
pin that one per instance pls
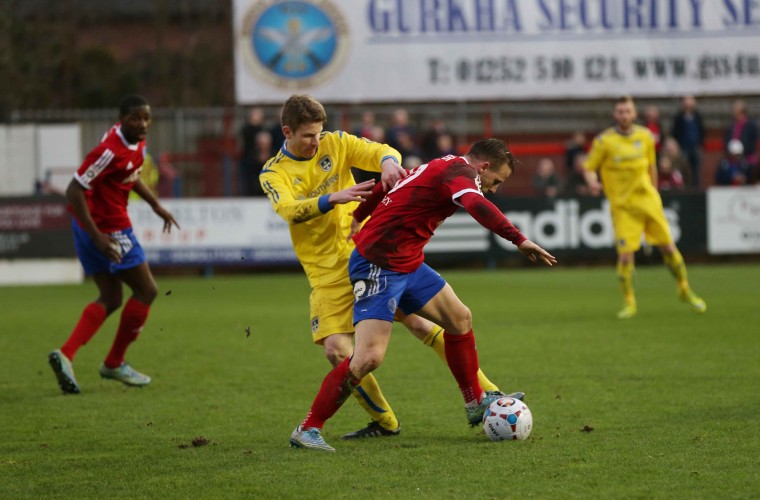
(624, 157)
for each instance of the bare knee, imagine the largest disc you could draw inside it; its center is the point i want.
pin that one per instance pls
(461, 321)
(110, 302)
(365, 364)
(146, 294)
(336, 352)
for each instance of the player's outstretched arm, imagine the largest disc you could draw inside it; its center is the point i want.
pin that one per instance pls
(491, 218)
(142, 190)
(535, 253)
(358, 192)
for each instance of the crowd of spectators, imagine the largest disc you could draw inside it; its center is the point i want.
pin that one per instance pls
(680, 149)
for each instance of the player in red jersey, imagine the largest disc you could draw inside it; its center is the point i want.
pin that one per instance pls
(388, 271)
(107, 247)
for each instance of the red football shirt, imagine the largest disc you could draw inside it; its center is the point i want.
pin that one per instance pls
(108, 173)
(407, 216)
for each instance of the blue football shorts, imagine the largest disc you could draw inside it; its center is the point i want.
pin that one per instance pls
(93, 261)
(378, 292)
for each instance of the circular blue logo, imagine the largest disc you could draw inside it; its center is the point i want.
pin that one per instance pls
(294, 44)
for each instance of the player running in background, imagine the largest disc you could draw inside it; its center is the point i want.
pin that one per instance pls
(310, 185)
(387, 271)
(107, 247)
(624, 156)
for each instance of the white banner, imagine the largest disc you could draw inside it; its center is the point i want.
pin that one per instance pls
(733, 220)
(214, 231)
(427, 50)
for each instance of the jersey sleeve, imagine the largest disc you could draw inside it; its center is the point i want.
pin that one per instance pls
(596, 155)
(90, 172)
(365, 154)
(284, 202)
(491, 218)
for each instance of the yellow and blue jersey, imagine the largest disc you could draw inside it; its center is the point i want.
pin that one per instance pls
(298, 189)
(624, 162)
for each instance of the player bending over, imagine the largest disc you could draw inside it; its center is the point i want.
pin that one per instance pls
(387, 271)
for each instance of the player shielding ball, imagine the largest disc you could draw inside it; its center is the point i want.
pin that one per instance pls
(107, 247)
(388, 272)
(310, 185)
(624, 155)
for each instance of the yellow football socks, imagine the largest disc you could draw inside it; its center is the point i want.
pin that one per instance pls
(372, 400)
(434, 339)
(677, 268)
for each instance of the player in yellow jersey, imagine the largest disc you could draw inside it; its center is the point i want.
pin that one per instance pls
(624, 156)
(309, 184)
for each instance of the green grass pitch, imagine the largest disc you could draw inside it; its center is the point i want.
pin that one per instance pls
(670, 400)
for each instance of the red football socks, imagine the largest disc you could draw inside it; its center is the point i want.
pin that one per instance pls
(132, 320)
(462, 358)
(91, 320)
(336, 387)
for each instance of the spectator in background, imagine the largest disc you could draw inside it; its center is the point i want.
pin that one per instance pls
(668, 178)
(733, 169)
(261, 154)
(431, 148)
(546, 181)
(575, 147)
(678, 161)
(278, 138)
(744, 129)
(689, 131)
(399, 125)
(367, 127)
(407, 147)
(253, 125)
(654, 124)
(576, 179)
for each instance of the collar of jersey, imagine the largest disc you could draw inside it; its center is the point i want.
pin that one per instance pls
(133, 147)
(291, 155)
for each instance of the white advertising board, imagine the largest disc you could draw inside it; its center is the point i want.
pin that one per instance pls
(232, 231)
(733, 220)
(428, 50)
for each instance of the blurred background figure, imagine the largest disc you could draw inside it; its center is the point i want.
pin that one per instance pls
(733, 169)
(367, 126)
(248, 132)
(576, 180)
(678, 161)
(407, 147)
(431, 148)
(546, 182)
(654, 124)
(261, 154)
(744, 129)
(689, 131)
(149, 175)
(399, 125)
(668, 178)
(574, 147)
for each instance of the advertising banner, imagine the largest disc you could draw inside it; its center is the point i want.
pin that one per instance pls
(453, 50)
(734, 220)
(575, 228)
(229, 231)
(35, 228)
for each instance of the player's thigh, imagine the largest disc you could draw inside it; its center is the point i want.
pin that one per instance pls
(331, 308)
(446, 310)
(629, 226)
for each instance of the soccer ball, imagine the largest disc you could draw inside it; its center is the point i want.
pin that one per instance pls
(507, 419)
